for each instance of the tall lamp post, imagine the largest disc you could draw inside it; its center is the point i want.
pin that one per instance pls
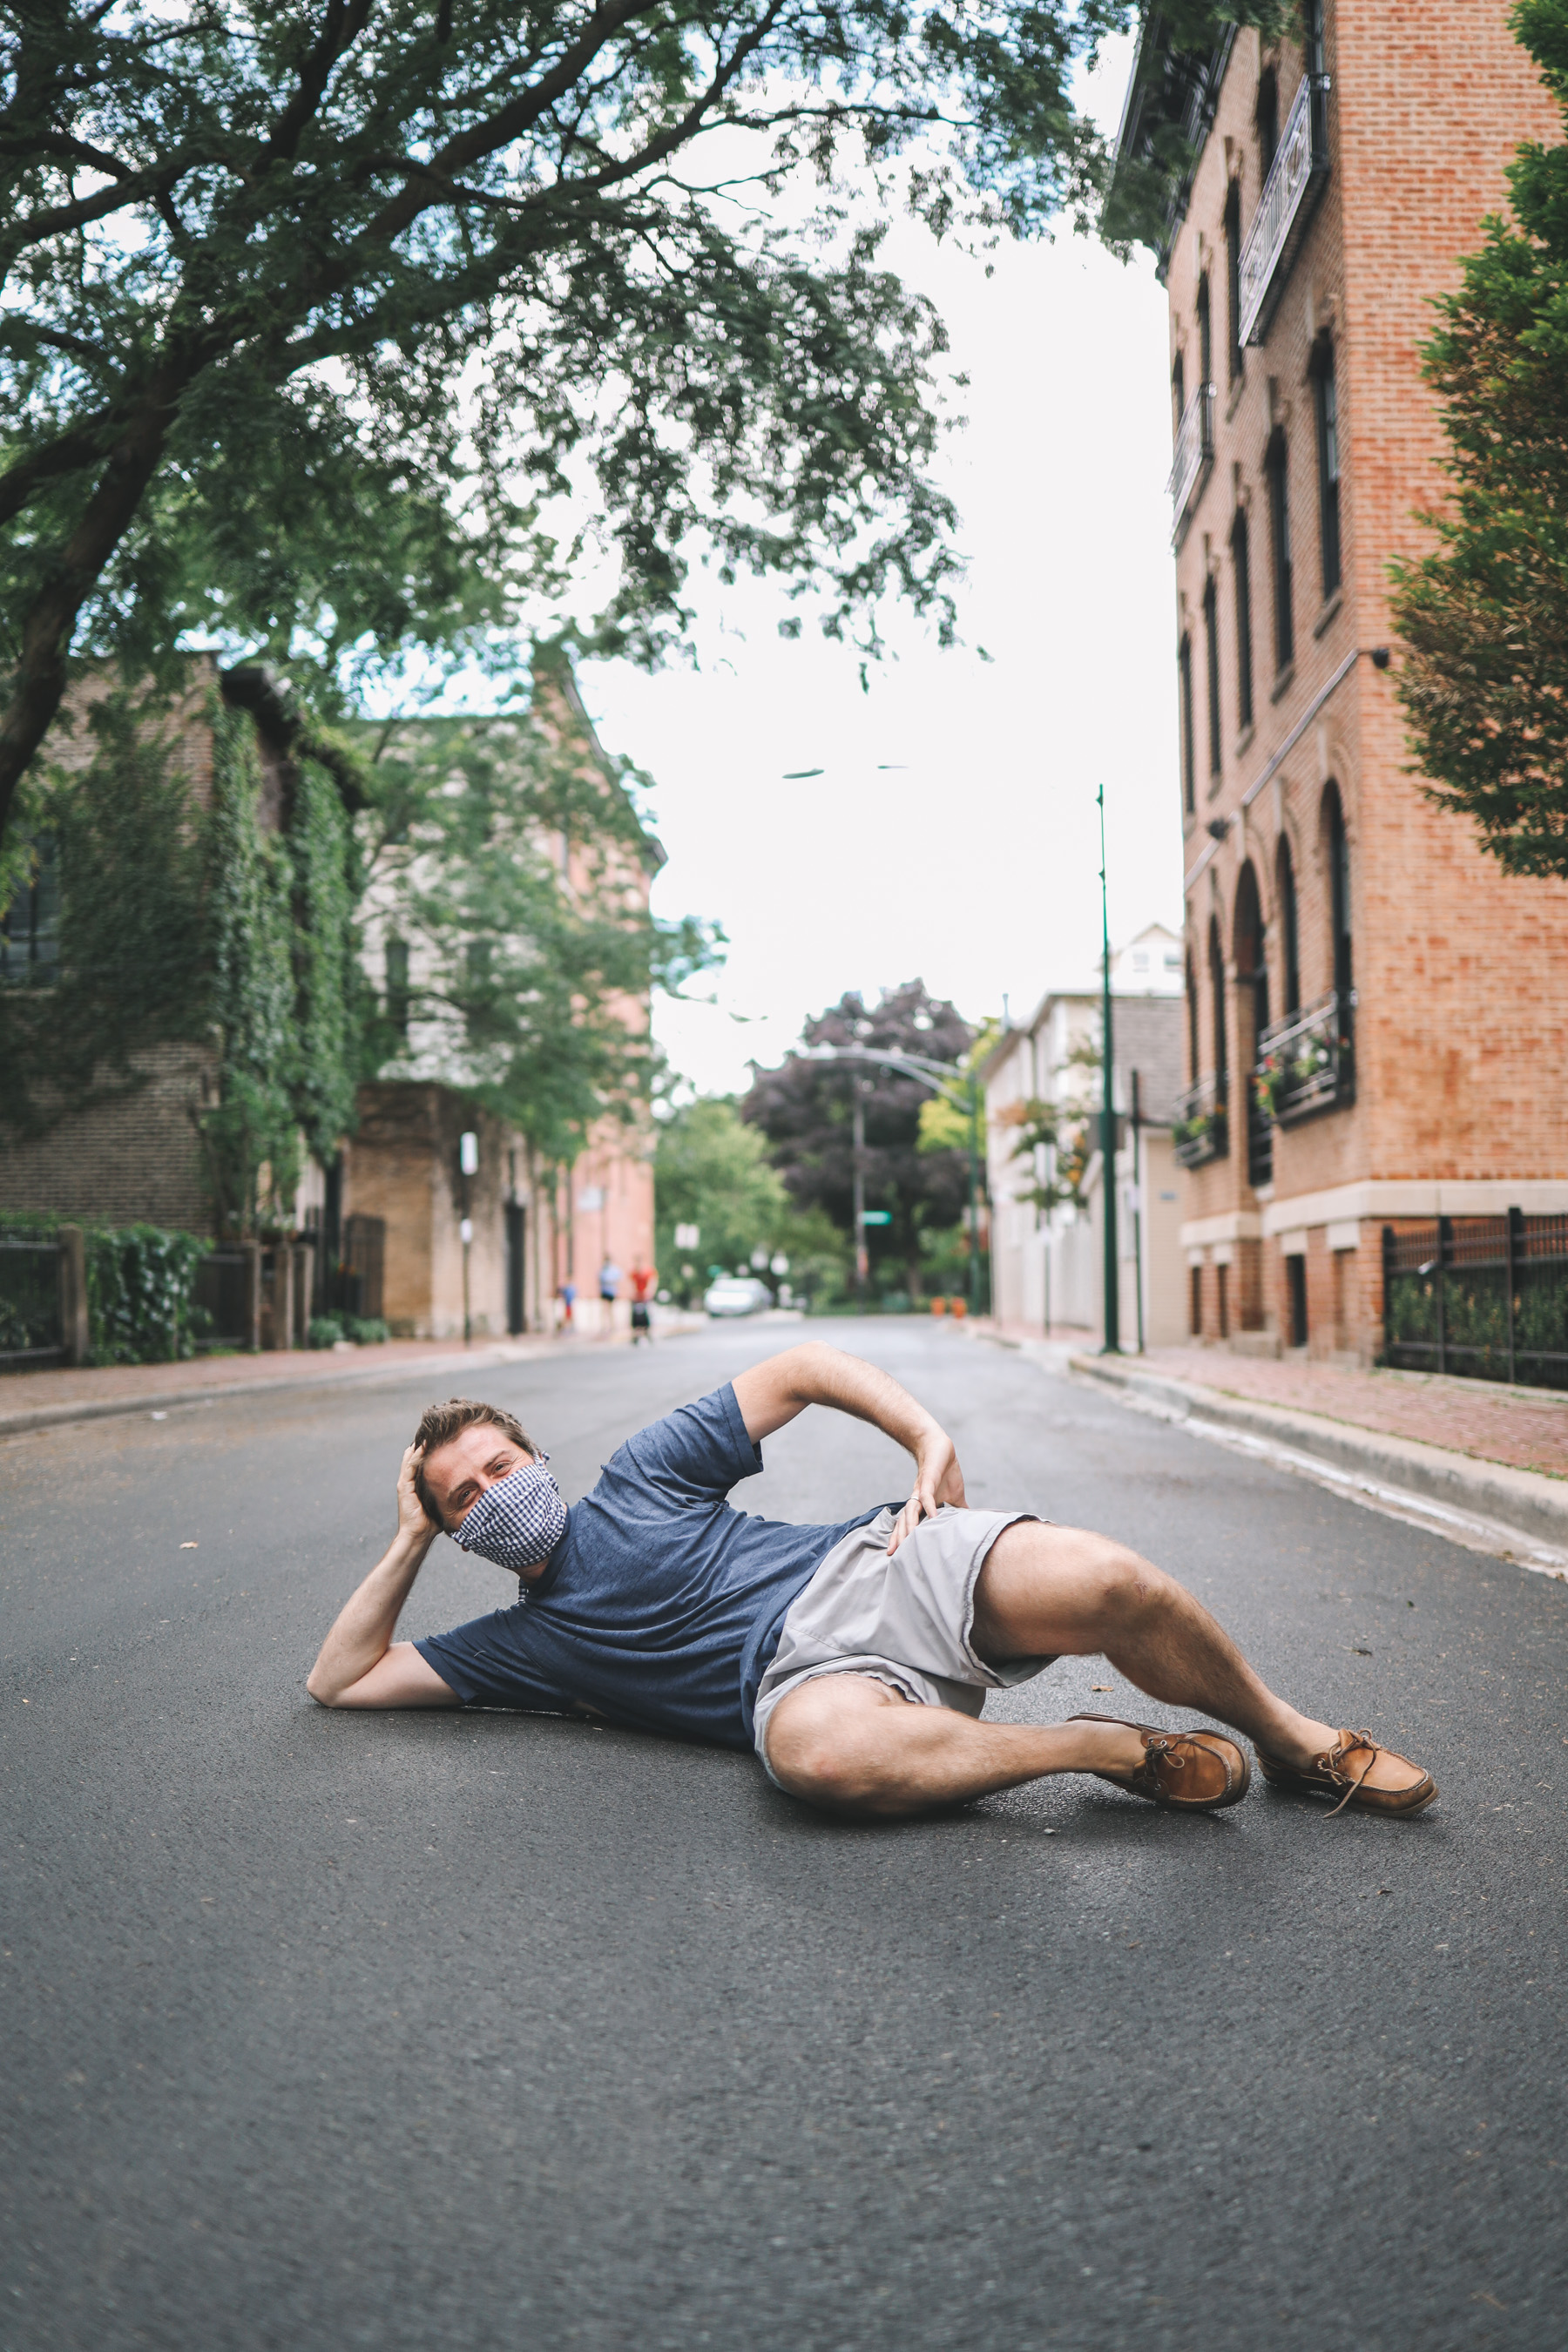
(469, 1168)
(939, 1077)
(1113, 1346)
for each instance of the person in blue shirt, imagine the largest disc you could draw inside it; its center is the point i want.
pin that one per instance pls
(854, 1656)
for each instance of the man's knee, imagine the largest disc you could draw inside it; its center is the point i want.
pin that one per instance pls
(821, 1741)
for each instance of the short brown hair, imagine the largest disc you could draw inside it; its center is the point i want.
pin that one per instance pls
(439, 1423)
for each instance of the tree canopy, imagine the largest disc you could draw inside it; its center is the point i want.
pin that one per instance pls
(1484, 615)
(806, 1109)
(312, 309)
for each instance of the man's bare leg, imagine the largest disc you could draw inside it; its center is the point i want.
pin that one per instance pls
(1043, 1591)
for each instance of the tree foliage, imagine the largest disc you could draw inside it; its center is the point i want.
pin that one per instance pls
(805, 1111)
(521, 974)
(1485, 614)
(712, 1171)
(311, 307)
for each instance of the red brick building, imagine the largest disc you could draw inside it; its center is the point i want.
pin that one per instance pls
(1377, 1015)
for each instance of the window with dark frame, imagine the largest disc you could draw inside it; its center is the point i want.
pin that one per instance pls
(1241, 574)
(1276, 467)
(1268, 118)
(1206, 334)
(1325, 403)
(398, 986)
(1217, 990)
(1184, 672)
(1339, 891)
(1194, 1071)
(1211, 660)
(30, 926)
(1236, 364)
(1195, 1273)
(1289, 934)
(1179, 391)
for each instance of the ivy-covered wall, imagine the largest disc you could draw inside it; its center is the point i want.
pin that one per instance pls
(184, 917)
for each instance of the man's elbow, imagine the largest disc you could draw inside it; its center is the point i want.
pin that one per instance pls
(323, 1689)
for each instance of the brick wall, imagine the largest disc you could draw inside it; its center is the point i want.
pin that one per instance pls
(1461, 981)
(126, 1161)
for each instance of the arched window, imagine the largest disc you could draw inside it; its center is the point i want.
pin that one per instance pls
(1185, 673)
(1216, 998)
(1235, 362)
(1252, 1018)
(1178, 391)
(1338, 852)
(1206, 333)
(1211, 658)
(1241, 574)
(1193, 1071)
(1289, 940)
(1276, 466)
(1325, 408)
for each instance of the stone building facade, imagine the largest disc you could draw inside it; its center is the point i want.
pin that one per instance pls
(1376, 1013)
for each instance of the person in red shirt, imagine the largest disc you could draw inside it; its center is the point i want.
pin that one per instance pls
(643, 1280)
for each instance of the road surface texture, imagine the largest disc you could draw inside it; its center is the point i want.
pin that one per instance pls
(474, 2030)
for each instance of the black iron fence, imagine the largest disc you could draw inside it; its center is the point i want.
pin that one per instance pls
(220, 1300)
(31, 1330)
(1483, 1297)
(349, 1265)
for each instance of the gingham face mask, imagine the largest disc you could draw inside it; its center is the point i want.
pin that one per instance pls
(519, 1521)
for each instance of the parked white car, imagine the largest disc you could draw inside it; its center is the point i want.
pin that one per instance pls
(737, 1294)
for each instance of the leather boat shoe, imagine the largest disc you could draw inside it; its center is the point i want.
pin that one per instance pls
(1340, 1771)
(1189, 1771)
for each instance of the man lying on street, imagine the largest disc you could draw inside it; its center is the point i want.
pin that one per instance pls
(855, 1656)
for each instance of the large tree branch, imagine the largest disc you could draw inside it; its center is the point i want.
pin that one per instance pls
(40, 674)
(341, 27)
(69, 453)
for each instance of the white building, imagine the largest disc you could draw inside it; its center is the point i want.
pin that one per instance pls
(1047, 1258)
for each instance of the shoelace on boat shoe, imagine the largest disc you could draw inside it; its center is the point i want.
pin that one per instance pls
(1332, 1764)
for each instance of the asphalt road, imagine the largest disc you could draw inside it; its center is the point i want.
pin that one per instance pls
(484, 2030)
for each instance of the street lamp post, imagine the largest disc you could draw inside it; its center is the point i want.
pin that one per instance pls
(1113, 1346)
(469, 1167)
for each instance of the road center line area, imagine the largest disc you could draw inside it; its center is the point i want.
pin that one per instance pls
(480, 2029)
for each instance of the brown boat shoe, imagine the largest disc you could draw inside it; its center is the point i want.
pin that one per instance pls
(1341, 1770)
(1188, 1772)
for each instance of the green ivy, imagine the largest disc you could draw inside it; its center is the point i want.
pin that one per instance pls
(140, 1286)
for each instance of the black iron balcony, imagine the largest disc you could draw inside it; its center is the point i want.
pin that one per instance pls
(1307, 1061)
(1194, 456)
(1202, 1131)
(1295, 178)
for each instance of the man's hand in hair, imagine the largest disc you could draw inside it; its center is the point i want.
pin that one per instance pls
(413, 1519)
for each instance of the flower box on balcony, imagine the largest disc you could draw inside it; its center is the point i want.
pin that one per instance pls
(1307, 1063)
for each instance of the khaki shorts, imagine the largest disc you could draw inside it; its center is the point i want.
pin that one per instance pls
(906, 1621)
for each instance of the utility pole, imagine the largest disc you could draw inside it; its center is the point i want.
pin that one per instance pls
(862, 1256)
(1138, 1206)
(1113, 1346)
(974, 1193)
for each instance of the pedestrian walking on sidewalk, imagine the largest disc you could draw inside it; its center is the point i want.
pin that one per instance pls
(855, 1656)
(644, 1281)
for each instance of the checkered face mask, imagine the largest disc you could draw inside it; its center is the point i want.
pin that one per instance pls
(519, 1521)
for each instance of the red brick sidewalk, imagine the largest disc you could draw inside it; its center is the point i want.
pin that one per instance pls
(1527, 1428)
(123, 1386)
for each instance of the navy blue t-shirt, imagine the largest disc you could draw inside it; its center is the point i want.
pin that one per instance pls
(660, 1607)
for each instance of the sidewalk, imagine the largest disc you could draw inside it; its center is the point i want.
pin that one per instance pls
(44, 1400)
(1486, 1464)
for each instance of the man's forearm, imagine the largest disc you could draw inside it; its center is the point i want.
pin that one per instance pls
(818, 1374)
(362, 1632)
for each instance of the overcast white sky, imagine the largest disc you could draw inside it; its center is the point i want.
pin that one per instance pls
(952, 832)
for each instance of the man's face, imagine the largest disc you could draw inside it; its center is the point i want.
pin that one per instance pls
(459, 1472)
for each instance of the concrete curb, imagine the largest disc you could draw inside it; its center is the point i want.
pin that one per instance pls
(323, 1373)
(1502, 1501)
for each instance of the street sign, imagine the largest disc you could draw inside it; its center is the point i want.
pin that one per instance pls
(875, 1216)
(687, 1236)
